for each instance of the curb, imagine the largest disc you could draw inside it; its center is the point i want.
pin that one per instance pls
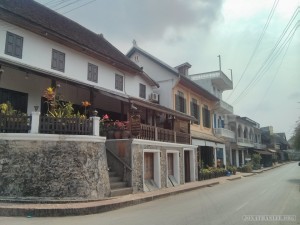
(73, 209)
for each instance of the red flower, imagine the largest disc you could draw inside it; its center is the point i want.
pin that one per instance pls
(105, 117)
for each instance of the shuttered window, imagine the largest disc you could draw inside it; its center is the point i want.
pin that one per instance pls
(58, 60)
(119, 82)
(180, 102)
(14, 45)
(206, 116)
(195, 110)
(92, 73)
(142, 91)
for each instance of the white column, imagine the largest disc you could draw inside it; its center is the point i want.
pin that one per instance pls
(215, 155)
(224, 157)
(96, 125)
(230, 155)
(35, 121)
(243, 157)
(237, 157)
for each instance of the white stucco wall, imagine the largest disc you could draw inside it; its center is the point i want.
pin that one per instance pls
(162, 76)
(37, 52)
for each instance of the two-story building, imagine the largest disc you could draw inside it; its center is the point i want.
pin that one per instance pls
(247, 139)
(177, 91)
(40, 48)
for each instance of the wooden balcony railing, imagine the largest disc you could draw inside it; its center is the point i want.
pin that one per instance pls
(15, 124)
(51, 125)
(159, 134)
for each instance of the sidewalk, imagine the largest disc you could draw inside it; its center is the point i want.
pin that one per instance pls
(37, 209)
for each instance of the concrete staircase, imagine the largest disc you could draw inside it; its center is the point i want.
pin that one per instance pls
(117, 186)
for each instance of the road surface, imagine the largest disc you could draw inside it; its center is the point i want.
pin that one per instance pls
(275, 192)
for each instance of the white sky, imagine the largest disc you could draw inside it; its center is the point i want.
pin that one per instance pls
(197, 31)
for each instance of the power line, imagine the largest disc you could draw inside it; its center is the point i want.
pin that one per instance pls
(263, 68)
(71, 3)
(78, 7)
(274, 77)
(256, 46)
(270, 54)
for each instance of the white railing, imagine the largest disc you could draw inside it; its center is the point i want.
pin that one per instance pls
(224, 133)
(212, 75)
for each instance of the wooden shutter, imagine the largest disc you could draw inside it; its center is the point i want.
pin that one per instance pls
(18, 46)
(198, 114)
(61, 61)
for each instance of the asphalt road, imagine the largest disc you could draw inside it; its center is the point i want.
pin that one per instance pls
(275, 192)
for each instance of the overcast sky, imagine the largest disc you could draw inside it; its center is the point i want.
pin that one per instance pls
(266, 79)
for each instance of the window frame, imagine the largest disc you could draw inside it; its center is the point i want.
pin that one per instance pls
(92, 73)
(14, 45)
(206, 118)
(117, 86)
(58, 66)
(195, 110)
(142, 91)
(180, 102)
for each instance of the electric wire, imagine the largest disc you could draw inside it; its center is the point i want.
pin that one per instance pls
(78, 7)
(272, 56)
(256, 46)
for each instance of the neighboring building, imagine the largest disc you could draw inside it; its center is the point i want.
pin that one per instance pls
(177, 91)
(275, 142)
(40, 48)
(216, 82)
(248, 139)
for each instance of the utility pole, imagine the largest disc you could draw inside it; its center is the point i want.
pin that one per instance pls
(220, 62)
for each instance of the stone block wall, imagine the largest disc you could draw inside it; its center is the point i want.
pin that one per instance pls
(53, 169)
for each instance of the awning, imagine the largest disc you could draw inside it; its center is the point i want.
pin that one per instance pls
(206, 137)
(112, 94)
(272, 150)
(263, 152)
(160, 108)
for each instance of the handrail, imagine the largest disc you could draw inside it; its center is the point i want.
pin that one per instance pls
(119, 159)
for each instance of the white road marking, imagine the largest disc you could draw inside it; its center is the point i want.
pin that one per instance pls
(242, 206)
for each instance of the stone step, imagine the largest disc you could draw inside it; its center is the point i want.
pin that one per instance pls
(115, 179)
(117, 185)
(121, 191)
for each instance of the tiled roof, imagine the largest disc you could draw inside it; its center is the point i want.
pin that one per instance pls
(40, 19)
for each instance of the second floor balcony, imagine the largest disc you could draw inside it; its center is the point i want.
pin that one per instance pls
(224, 107)
(222, 132)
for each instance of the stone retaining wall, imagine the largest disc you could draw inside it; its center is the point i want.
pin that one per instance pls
(58, 169)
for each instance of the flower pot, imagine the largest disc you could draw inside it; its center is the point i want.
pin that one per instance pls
(126, 134)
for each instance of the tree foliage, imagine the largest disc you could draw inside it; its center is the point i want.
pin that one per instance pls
(296, 137)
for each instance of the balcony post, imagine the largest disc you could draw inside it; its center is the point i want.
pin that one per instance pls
(96, 125)
(175, 141)
(35, 122)
(155, 134)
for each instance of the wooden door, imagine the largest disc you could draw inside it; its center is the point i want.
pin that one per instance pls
(170, 164)
(187, 170)
(148, 166)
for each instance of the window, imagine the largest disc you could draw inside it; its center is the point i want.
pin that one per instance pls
(14, 45)
(180, 102)
(142, 91)
(195, 111)
(119, 82)
(58, 60)
(92, 73)
(206, 116)
(18, 100)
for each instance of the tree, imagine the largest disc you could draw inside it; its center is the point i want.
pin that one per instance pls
(296, 137)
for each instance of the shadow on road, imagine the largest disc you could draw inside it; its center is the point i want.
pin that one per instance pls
(295, 181)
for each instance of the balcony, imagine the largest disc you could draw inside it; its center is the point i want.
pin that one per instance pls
(259, 146)
(75, 126)
(221, 132)
(159, 134)
(224, 107)
(245, 142)
(218, 78)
